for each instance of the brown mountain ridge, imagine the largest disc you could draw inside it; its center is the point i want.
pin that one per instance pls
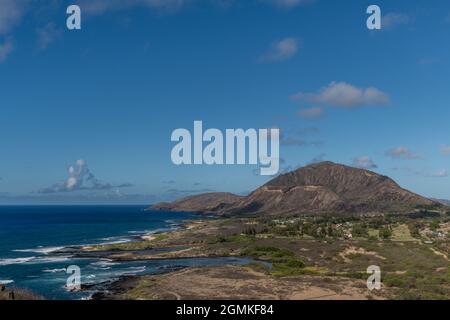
(324, 187)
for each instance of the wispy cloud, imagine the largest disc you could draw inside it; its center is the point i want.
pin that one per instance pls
(11, 12)
(426, 61)
(47, 34)
(423, 173)
(342, 94)
(392, 19)
(299, 137)
(309, 113)
(177, 193)
(441, 174)
(281, 50)
(318, 158)
(287, 4)
(445, 150)
(5, 49)
(364, 162)
(80, 178)
(402, 153)
(97, 7)
(99, 197)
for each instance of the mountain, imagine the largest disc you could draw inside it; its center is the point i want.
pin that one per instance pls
(206, 202)
(324, 187)
(445, 202)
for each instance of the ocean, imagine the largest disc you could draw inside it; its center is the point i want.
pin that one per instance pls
(30, 237)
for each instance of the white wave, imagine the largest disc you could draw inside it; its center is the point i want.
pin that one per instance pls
(7, 262)
(6, 281)
(104, 263)
(114, 240)
(54, 270)
(153, 231)
(109, 238)
(34, 260)
(51, 259)
(42, 250)
(137, 231)
(125, 272)
(133, 270)
(103, 268)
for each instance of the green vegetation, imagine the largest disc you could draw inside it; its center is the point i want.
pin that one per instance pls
(413, 253)
(419, 285)
(284, 262)
(229, 239)
(385, 232)
(142, 290)
(133, 245)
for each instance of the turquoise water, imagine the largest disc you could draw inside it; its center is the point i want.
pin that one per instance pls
(30, 237)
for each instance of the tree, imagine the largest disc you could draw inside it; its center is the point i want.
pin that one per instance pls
(385, 233)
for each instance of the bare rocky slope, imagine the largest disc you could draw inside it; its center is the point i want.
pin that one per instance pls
(323, 187)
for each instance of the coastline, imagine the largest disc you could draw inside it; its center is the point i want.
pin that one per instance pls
(251, 280)
(257, 258)
(282, 262)
(39, 264)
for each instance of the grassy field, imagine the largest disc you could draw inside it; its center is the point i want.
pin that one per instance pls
(401, 233)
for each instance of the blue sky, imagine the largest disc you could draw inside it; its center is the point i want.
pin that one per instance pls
(111, 93)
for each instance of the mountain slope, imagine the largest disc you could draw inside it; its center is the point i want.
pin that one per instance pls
(207, 202)
(322, 187)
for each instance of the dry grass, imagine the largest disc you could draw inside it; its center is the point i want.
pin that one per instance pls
(18, 294)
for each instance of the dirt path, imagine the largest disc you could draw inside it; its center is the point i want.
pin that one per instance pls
(440, 254)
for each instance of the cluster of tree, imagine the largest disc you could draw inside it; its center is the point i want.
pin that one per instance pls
(414, 229)
(360, 231)
(253, 230)
(423, 214)
(385, 232)
(434, 225)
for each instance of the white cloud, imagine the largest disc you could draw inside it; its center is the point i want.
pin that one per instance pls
(281, 50)
(5, 49)
(445, 149)
(342, 94)
(311, 112)
(80, 178)
(390, 20)
(364, 162)
(402, 153)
